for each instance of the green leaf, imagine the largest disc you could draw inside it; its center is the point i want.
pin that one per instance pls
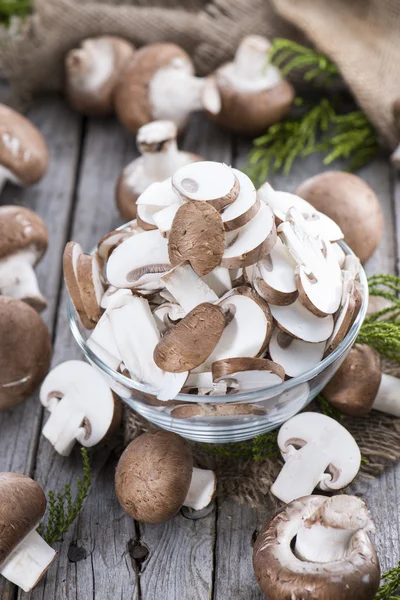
(10, 8)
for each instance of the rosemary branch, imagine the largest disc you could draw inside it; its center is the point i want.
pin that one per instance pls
(391, 583)
(288, 56)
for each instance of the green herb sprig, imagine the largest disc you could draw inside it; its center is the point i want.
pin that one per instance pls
(259, 448)
(288, 56)
(11, 8)
(391, 583)
(62, 509)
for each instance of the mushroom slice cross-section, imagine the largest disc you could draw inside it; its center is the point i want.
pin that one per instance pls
(111, 240)
(207, 181)
(91, 288)
(247, 373)
(318, 451)
(187, 288)
(155, 477)
(245, 206)
(82, 407)
(72, 254)
(24, 555)
(296, 356)
(344, 564)
(167, 314)
(273, 277)
(299, 322)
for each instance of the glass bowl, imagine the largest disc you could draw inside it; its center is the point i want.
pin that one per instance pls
(246, 414)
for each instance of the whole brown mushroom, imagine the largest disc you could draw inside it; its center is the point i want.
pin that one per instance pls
(351, 203)
(25, 351)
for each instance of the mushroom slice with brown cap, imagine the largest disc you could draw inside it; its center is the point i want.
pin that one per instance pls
(139, 255)
(252, 242)
(189, 411)
(273, 277)
(248, 373)
(91, 288)
(111, 240)
(299, 322)
(317, 451)
(25, 351)
(295, 356)
(23, 242)
(23, 151)
(155, 477)
(343, 563)
(207, 181)
(280, 202)
(82, 407)
(93, 71)
(253, 93)
(246, 205)
(187, 288)
(350, 305)
(24, 555)
(189, 343)
(72, 253)
(197, 235)
(160, 84)
(166, 316)
(136, 334)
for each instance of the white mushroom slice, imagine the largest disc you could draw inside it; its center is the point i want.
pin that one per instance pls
(207, 181)
(109, 294)
(344, 321)
(273, 276)
(248, 373)
(219, 280)
(200, 380)
(299, 322)
(109, 242)
(295, 356)
(281, 202)
(252, 242)
(159, 193)
(163, 218)
(82, 406)
(90, 282)
(145, 216)
(318, 451)
(165, 314)
(137, 256)
(245, 206)
(136, 334)
(339, 253)
(187, 288)
(318, 275)
(166, 295)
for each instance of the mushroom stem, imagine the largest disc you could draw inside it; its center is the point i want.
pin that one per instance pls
(18, 279)
(64, 426)
(187, 288)
(387, 399)
(3, 177)
(251, 57)
(395, 157)
(159, 165)
(28, 561)
(201, 490)
(323, 544)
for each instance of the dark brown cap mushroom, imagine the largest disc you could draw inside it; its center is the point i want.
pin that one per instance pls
(23, 150)
(25, 351)
(351, 203)
(24, 555)
(23, 241)
(155, 478)
(92, 72)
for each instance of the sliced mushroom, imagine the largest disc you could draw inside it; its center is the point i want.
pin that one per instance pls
(207, 181)
(23, 242)
(187, 288)
(252, 242)
(82, 407)
(248, 373)
(351, 203)
(246, 205)
(317, 451)
(93, 71)
(166, 315)
(111, 240)
(163, 219)
(339, 253)
(319, 545)
(160, 84)
(24, 555)
(197, 235)
(155, 477)
(395, 156)
(273, 277)
(72, 253)
(91, 288)
(253, 93)
(109, 294)
(296, 356)
(219, 280)
(189, 411)
(299, 322)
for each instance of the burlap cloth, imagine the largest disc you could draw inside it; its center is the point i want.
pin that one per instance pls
(361, 36)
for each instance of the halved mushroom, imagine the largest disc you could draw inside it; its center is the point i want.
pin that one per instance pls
(189, 411)
(273, 277)
(247, 373)
(189, 343)
(24, 555)
(299, 322)
(82, 407)
(91, 288)
(317, 451)
(23, 242)
(294, 355)
(351, 203)
(160, 159)
(319, 546)
(197, 235)
(155, 477)
(93, 71)
(280, 202)
(253, 93)
(246, 205)
(187, 288)
(252, 242)
(160, 84)
(207, 181)
(23, 152)
(25, 351)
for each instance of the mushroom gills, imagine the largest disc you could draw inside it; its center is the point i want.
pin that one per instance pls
(202, 489)
(18, 278)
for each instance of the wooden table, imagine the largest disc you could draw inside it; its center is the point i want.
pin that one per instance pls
(188, 559)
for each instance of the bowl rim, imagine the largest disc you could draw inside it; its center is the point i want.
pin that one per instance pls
(243, 397)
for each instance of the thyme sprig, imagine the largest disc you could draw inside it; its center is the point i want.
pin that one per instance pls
(289, 56)
(391, 583)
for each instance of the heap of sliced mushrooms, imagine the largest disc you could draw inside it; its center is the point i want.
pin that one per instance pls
(220, 289)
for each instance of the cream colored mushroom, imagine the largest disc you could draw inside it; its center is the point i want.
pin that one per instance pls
(294, 355)
(273, 277)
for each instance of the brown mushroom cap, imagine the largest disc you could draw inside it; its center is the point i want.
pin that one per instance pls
(250, 113)
(21, 228)
(353, 388)
(25, 351)
(283, 576)
(23, 504)
(23, 150)
(131, 94)
(125, 199)
(351, 203)
(153, 476)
